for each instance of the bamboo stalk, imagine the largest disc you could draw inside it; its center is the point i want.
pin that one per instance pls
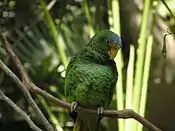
(88, 17)
(145, 80)
(147, 67)
(52, 117)
(140, 58)
(129, 86)
(114, 20)
(54, 34)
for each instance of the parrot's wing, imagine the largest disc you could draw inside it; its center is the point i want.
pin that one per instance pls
(91, 85)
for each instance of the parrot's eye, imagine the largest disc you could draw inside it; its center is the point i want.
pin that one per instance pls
(107, 41)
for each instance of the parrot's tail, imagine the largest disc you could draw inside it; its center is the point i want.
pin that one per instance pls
(77, 124)
(87, 123)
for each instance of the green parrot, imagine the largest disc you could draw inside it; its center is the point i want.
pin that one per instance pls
(91, 77)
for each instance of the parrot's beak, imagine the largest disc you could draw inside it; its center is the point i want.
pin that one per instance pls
(113, 50)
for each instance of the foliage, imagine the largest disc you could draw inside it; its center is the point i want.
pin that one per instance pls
(46, 42)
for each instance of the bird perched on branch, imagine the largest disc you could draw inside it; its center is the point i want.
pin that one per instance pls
(91, 77)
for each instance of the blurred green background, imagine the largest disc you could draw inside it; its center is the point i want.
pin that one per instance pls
(45, 34)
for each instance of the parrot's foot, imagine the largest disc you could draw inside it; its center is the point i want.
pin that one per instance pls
(74, 106)
(73, 111)
(100, 111)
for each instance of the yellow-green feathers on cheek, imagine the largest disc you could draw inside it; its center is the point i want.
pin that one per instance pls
(113, 50)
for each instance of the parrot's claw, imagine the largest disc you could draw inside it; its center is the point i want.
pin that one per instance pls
(74, 106)
(100, 111)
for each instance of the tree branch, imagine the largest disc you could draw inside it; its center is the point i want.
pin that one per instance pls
(15, 59)
(22, 85)
(124, 114)
(27, 95)
(18, 110)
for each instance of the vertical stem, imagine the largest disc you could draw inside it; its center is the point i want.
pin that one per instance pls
(114, 20)
(145, 80)
(140, 58)
(88, 16)
(54, 34)
(116, 16)
(53, 119)
(147, 67)
(129, 86)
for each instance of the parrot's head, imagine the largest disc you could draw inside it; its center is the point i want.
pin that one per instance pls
(106, 43)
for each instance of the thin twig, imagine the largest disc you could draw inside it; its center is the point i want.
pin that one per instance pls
(171, 13)
(22, 85)
(164, 52)
(27, 95)
(124, 114)
(18, 110)
(17, 62)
